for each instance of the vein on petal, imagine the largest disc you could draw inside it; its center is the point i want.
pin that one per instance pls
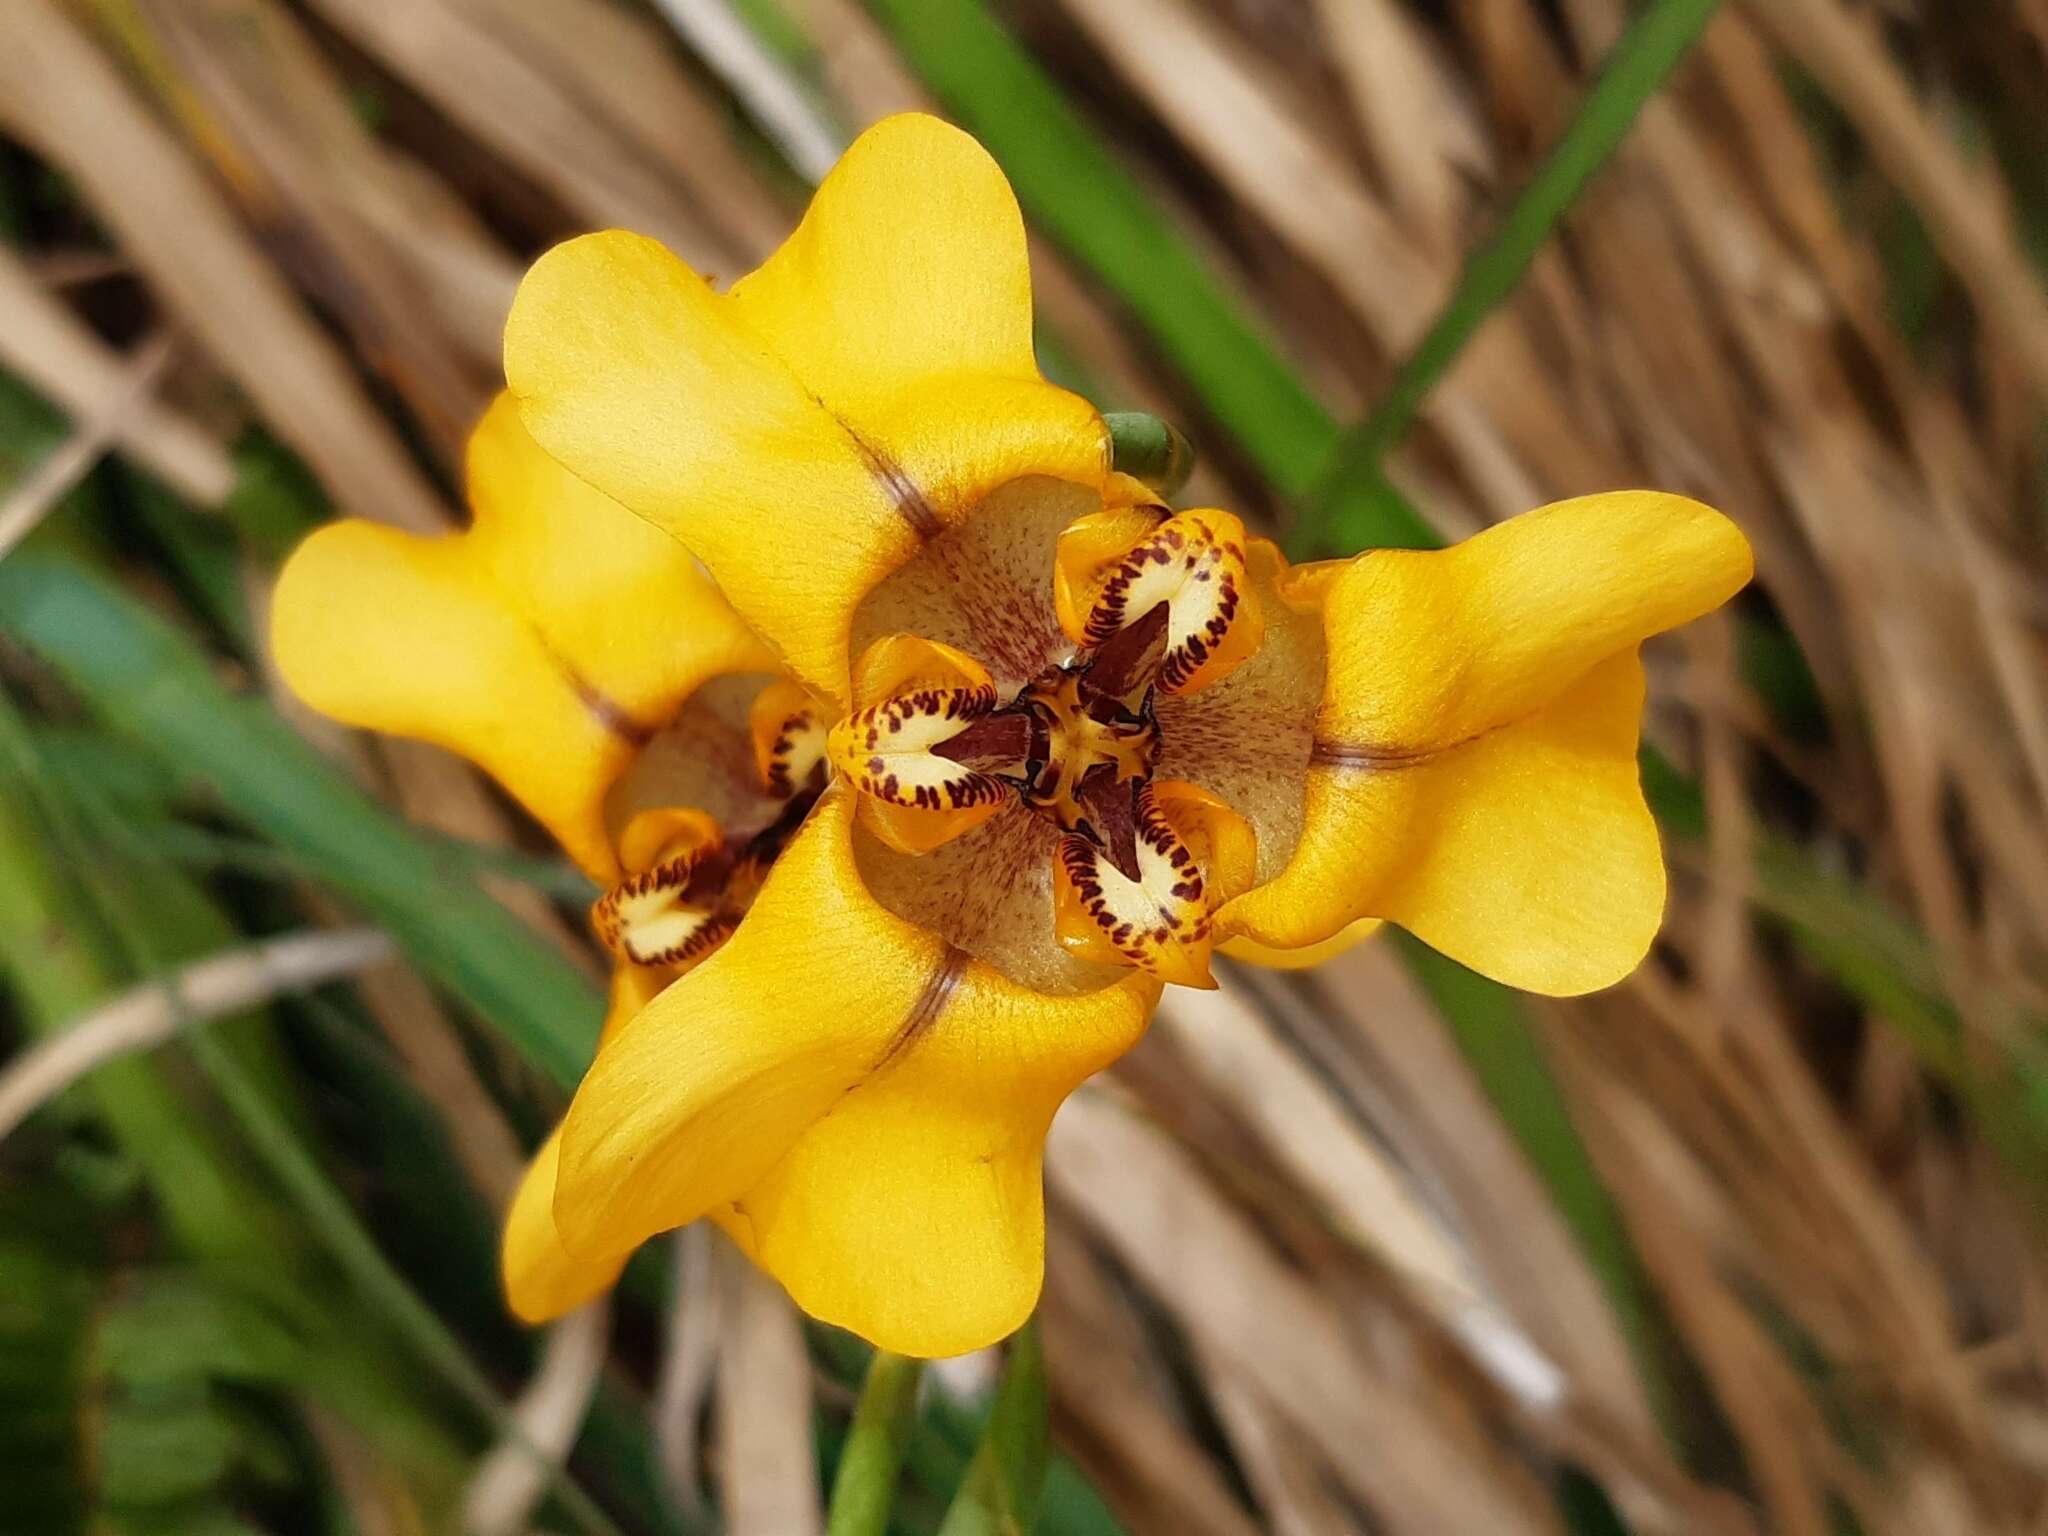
(924, 1013)
(904, 493)
(604, 709)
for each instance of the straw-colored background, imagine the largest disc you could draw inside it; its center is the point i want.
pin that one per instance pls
(1750, 1244)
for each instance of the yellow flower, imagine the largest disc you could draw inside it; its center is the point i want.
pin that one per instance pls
(1080, 739)
(582, 658)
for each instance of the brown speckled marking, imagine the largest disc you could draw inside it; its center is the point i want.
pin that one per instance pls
(1204, 559)
(798, 751)
(1181, 910)
(608, 916)
(879, 725)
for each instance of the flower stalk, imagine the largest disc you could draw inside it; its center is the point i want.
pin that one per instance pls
(864, 1490)
(1000, 1494)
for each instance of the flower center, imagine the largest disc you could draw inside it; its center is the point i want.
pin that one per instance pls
(1155, 605)
(1087, 744)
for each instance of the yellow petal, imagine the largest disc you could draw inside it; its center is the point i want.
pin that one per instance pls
(545, 644)
(1431, 648)
(909, 264)
(1249, 951)
(924, 1229)
(1474, 774)
(865, 389)
(633, 987)
(542, 1280)
(913, 1213)
(667, 832)
(708, 1086)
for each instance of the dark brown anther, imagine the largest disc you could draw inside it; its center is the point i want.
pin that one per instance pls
(997, 743)
(1112, 806)
(763, 847)
(1127, 659)
(709, 878)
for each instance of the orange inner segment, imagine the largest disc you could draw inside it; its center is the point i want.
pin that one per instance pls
(659, 914)
(917, 696)
(1193, 563)
(1157, 604)
(1192, 854)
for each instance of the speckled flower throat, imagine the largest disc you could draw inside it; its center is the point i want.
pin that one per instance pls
(1139, 610)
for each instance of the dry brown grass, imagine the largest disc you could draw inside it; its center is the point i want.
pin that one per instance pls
(1302, 1277)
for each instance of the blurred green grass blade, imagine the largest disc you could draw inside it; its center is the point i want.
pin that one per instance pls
(773, 25)
(1633, 71)
(255, 1110)
(1071, 1503)
(429, 1214)
(276, 501)
(329, 1215)
(120, 774)
(141, 802)
(1076, 189)
(143, 676)
(30, 427)
(943, 1443)
(1875, 954)
(1006, 1479)
(45, 1333)
(64, 943)
(150, 915)
(56, 960)
(618, 1447)
(202, 554)
(166, 1435)
(871, 1462)
(1498, 1040)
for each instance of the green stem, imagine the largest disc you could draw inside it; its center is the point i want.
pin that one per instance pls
(1006, 1479)
(74, 929)
(865, 1489)
(1632, 73)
